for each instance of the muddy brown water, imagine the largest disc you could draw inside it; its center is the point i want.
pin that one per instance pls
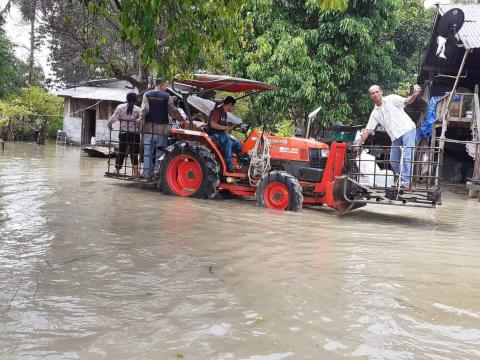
(94, 268)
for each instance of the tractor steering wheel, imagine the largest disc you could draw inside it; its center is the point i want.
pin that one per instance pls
(243, 128)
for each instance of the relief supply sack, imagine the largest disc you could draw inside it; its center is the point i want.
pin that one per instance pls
(370, 173)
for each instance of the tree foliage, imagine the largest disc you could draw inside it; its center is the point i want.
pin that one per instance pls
(325, 58)
(10, 76)
(331, 5)
(30, 111)
(320, 52)
(131, 39)
(4, 10)
(411, 35)
(28, 9)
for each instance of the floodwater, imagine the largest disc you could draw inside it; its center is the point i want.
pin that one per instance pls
(94, 268)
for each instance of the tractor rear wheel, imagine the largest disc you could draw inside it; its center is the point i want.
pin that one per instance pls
(280, 191)
(189, 169)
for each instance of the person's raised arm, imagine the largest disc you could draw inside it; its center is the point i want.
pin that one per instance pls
(411, 99)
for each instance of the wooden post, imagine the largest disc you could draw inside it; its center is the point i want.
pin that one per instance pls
(441, 142)
(450, 98)
(460, 108)
(476, 127)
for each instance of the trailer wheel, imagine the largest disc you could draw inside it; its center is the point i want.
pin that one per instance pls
(280, 191)
(189, 169)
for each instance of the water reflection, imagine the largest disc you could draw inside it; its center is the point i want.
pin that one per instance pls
(92, 267)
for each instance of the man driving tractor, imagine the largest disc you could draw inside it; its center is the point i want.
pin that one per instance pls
(216, 128)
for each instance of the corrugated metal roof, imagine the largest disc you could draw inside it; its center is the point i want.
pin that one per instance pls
(96, 93)
(120, 95)
(469, 34)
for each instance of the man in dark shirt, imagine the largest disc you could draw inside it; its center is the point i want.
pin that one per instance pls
(157, 105)
(217, 127)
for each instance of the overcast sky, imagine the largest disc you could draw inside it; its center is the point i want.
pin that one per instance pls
(18, 33)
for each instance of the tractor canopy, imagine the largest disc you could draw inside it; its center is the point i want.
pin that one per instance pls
(198, 92)
(226, 83)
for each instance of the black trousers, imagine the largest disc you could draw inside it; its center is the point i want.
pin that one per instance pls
(127, 141)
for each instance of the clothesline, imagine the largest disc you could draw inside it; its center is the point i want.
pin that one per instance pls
(70, 114)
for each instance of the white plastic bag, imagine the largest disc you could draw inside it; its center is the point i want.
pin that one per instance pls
(471, 150)
(370, 173)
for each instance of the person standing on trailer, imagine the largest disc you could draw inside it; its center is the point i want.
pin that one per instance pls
(129, 116)
(389, 112)
(157, 104)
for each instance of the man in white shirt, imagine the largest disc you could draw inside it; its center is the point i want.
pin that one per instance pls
(389, 112)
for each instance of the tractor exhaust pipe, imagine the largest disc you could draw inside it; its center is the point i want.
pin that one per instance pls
(311, 117)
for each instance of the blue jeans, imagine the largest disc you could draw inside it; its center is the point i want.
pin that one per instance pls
(229, 146)
(150, 142)
(407, 140)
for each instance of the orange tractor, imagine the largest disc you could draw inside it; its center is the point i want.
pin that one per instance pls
(284, 173)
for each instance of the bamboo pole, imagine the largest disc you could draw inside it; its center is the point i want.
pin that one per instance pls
(444, 119)
(450, 98)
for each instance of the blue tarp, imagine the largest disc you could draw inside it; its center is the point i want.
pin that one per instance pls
(425, 132)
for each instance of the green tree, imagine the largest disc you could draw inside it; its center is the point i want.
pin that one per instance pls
(331, 5)
(161, 37)
(128, 39)
(10, 77)
(29, 10)
(173, 37)
(31, 111)
(319, 58)
(411, 35)
(327, 58)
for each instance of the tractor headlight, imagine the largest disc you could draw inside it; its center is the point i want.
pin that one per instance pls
(324, 153)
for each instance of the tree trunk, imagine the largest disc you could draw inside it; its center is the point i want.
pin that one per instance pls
(10, 136)
(41, 133)
(143, 74)
(33, 6)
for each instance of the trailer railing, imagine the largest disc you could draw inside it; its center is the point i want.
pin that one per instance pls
(396, 177)
(127, 156)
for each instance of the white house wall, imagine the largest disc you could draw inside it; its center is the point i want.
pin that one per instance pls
(103, 133)
(73, 127)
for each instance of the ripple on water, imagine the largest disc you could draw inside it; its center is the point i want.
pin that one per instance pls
(94, 268)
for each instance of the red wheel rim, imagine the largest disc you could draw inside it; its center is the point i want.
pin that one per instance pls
(276, 196)
(184, 175)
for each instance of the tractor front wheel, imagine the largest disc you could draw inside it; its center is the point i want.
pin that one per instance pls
(280, 191)
(189, 169)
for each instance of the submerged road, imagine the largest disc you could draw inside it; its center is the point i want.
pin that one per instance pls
(94, 268)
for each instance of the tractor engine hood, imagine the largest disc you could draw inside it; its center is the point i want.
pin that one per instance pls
(287, 148)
